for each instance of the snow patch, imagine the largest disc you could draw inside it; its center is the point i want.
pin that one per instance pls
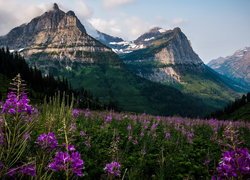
(124, 43)
(149, 39)
(21, 49)
(162, 30)
(68, 68)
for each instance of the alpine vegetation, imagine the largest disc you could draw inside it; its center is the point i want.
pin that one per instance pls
(56, 141)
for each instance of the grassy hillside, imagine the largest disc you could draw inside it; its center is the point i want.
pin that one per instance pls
(243, 113)
(206, 85)
(130, 92)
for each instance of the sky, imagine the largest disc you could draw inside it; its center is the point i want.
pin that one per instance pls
(216, 28)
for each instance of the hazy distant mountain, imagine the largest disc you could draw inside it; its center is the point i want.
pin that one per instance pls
(236, 66)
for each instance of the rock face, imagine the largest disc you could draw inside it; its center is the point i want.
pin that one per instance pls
(54, 35)
(169, 53)
(236, 66)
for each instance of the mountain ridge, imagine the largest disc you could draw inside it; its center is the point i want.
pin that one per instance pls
(235, 67)
(88, 63)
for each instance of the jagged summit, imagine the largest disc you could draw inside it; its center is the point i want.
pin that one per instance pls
(55, 7)
(55, 35)
(71, 13)
(155, 29)
(236, 66)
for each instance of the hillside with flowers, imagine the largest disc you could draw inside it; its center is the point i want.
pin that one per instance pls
(56, 141)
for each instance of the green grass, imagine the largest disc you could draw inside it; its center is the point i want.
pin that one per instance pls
(112, 82)
(243, 113)
(146, 146)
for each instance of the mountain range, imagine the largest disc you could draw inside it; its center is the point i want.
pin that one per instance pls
(236, 66)
(158, 73)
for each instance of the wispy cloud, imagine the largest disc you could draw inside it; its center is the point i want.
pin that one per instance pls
(116, 3)
(178, 21)
(14, 13)
(130, 28)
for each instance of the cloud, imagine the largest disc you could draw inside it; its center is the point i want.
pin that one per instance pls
(107, 26)
(80, 7)
(116, 3)
(129, 28)
(178, 21)
(14, 13)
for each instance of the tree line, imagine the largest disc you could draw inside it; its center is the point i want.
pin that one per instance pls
(39, 86)
(230, 108)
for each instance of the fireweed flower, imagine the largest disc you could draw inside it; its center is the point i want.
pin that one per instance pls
(15, 104)
(167, 135)
(60, 161)
(234, 163)
(76, 113)
(77, 164)
(47, 141)
(28, 170)
(129, 127)
(73, 161)
(11, 172)
(108, 118)
(82, 133)
(70, 147)
(113, 168)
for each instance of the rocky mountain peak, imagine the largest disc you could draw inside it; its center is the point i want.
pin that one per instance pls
(71, 13)
(55, 7)
(54, 35)
(155, 29)
(236, 66)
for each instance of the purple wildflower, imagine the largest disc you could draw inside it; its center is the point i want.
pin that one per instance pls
(167, 135)
(71, 147)
(76, 113)
(29, 170)
(154, 126)
(129, 127)
(15, 104)
(77, 163)
(13, 171)
(113, 168)
(62, 160)
(108, 118)
(83, 133)
(234, 163)
(47, 140)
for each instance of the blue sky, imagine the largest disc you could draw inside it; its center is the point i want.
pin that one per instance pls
(214, 27)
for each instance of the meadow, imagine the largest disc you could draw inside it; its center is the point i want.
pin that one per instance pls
(55, 141)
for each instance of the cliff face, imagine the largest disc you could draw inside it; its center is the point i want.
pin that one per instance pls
(54, 35)
(169, 53)
(236, 66)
